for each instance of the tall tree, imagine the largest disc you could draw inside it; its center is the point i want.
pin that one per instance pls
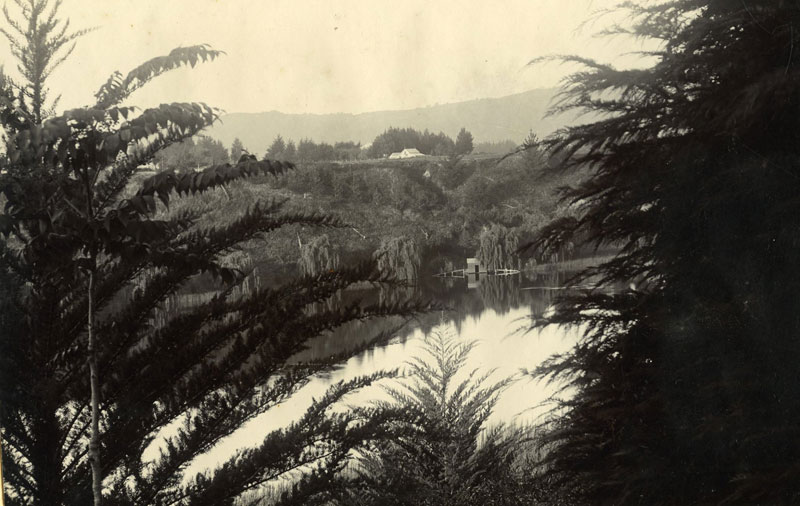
(686, 384)
(78, 240)
(306, 150)
(290, 153)
(213, 152)
(237, 150)
(40, 42)
(276, 149)
(532, 148)
(463, 142)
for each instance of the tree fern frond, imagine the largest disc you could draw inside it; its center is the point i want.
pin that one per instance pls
(117, 88)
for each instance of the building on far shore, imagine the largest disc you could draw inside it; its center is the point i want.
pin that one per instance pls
(406, 153)
(147, 167)
(474, 266)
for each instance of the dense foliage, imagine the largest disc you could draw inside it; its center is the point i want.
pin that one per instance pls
(442, 204)
(463, 145)
(391, 141)
(496, 148)
(309, 151)
(237, 150)
(686, 383)
(394, 140)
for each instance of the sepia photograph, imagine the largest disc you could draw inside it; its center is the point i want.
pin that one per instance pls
(417, 253)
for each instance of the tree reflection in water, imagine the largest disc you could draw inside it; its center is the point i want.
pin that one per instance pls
(465, 298)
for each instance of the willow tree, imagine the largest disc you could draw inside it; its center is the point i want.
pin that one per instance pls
(318, 255)
(399, 256)
(686, 384)
(75, 237)
(497, 247)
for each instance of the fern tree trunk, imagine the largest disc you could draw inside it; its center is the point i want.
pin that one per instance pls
(2, 489)
(94, 380)
(94, 441)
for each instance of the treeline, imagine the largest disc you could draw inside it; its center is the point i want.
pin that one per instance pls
(192, 154)
(394, 140)
(309, 151)
(496, 148)
(391, 141)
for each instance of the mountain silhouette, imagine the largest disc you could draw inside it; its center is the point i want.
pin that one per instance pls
(489, 119)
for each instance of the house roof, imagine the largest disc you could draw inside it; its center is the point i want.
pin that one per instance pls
(406, 153)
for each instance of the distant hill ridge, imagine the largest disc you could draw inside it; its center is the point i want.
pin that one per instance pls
(488, 119)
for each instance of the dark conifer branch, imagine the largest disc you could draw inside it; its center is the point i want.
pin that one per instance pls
(691, 175)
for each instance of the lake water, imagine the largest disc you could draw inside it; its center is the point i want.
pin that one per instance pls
(494, 311)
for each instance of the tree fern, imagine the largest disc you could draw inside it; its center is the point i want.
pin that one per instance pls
(447, 455)
(77, 241)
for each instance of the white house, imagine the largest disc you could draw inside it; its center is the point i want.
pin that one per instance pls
(147, 167)
(406, 153)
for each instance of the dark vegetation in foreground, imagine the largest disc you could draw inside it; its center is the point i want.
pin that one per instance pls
(687, 385)
(90, 378)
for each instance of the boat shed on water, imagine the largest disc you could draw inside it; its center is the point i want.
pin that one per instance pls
(474, 266)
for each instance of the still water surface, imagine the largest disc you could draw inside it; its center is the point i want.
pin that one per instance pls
(494, 311)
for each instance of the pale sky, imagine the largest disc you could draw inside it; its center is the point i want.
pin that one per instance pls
(322, 56)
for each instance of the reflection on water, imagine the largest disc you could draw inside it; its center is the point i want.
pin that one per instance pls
(493, 310)
(467, 298)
